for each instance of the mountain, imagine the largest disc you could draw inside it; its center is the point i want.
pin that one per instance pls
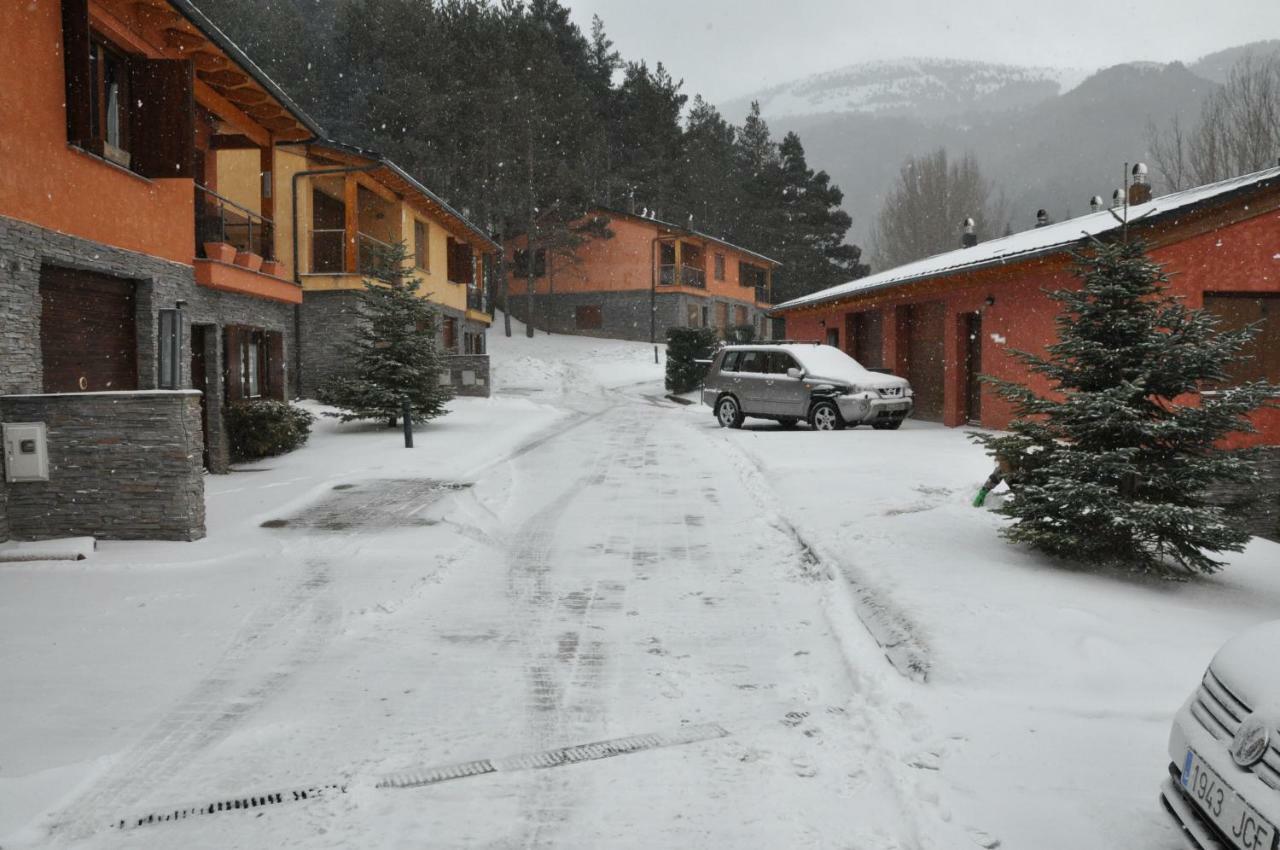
(919, 88)
(1047, 137)
(1217, 65)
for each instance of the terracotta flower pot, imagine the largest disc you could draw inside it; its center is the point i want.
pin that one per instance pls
(249, 260)
(272, 268)
(220, 251)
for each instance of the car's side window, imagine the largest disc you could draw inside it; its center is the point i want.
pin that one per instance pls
(730, 362)
(780, 362)
(752, 361)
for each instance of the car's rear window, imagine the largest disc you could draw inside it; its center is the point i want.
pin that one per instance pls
(752, 361)
(730, 362)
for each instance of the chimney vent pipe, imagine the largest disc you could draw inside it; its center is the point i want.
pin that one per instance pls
(970, 236)
(1096, 204)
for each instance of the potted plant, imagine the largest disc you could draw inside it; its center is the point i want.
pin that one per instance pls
(249, 260)
(220, 251)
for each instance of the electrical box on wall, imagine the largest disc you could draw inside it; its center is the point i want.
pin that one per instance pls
(26, 451)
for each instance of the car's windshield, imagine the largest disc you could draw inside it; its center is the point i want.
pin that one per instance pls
(830, 362)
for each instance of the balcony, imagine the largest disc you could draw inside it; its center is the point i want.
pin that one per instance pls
(476, 300)
(671, 274)
(220, 219)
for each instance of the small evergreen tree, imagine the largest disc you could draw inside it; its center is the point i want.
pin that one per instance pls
(685, 347)
(394, 351)
(1115, 464)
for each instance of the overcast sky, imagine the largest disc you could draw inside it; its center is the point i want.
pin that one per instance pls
(726, 48)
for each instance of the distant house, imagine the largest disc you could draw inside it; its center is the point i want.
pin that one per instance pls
(943, 321)
(652, 275)
(346, 203)
(126, 265)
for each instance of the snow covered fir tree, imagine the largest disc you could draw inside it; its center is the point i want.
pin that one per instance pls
(1113, 466)
(394, 353)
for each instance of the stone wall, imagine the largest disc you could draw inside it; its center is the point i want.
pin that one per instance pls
(468, 374)
(4, 503)
(1259, 509)
(158, 284)
(328, 323)
(624, 315)
(122, 466)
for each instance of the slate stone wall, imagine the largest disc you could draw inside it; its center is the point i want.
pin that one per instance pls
(468, 374)
(624, 315)
(122, 466)
(328, 322)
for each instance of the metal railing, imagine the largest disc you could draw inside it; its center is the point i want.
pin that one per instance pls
(670, 274)
(476, 299)
(220, 219)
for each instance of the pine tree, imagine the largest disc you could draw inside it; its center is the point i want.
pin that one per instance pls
(1114, 464)
(394, 351)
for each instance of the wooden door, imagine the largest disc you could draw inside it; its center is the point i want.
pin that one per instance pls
(973, 367)
(926, 329)
(866, 338)
(88, 331)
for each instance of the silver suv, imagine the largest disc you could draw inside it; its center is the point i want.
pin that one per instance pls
(793, 381)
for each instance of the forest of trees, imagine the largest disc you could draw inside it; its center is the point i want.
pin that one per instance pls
(518, 118)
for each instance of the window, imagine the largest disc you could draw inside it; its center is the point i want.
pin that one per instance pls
(169, 345)
(752, 361)
(450, 333)
(780, 362)
(473, 342)
(730, 363)
(706, 317)
(833, 337)
(109, 101)
(722, 315)
(251, 365)
(421, 247)
(691, 317)
(254, 363)
(588, 318)
(521, 262)
(719, 266)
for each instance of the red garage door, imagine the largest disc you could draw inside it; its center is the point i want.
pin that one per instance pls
(88, 332)
(926, 326)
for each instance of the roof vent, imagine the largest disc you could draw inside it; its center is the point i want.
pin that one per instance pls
(1140, 191)
(1117, 198)
(1042, 218)
(970, 236)
(1096, 204)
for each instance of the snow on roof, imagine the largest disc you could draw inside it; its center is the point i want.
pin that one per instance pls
(1031, 243)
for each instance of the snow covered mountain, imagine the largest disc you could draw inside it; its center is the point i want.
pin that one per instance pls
(917, 87)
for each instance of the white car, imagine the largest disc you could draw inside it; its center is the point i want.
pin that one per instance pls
(1224, 779)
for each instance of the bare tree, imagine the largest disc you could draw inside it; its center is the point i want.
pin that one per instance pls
(925, 211)
(1238, 131)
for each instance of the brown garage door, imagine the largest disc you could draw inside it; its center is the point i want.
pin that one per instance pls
(1261, 357)
(88, 332)
(926, 326)
(865, 332)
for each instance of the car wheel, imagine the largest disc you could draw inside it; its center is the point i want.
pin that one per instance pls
(887, 426)
(728, 414)
(788, 423)
(825, 416)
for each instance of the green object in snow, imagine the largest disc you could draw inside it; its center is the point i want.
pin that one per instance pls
(980, 499)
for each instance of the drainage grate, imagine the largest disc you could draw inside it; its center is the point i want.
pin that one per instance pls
(556, 757)
(235, 804)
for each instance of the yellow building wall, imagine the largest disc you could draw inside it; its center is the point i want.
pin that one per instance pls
(240, 177)
(434, 284)
(289, 162)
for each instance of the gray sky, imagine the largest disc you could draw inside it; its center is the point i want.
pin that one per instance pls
(727, 48)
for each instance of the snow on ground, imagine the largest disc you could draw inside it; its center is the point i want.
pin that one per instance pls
(1052, 689)
(579, 560)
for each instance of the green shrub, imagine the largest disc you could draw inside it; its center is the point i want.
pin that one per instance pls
(685, 346)
(265, 428)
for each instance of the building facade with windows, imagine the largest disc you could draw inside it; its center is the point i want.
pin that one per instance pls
(129, 274)
(943, 321)
(346, 205)
(651, 275)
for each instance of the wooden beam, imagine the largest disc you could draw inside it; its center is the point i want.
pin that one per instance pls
(245, 96)
(226, 77)
(351, 243)
(206, 61)
(180, 39)
(229, 112)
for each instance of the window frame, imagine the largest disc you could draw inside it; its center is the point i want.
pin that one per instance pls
(102, 50)
(719, 266)
(421, 245)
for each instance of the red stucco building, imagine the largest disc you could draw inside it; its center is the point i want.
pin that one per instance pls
(944, 320)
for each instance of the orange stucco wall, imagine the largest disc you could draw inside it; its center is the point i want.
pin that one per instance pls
(1243, 256)
(626, 262)
(45, 182)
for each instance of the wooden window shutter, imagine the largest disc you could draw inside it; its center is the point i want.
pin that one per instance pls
(233, 371)
(75, 59)
(275, 366)
(162, 128)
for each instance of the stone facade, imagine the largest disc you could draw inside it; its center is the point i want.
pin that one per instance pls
(158, 284)
(468, 374)
(122, 466)
(624, 315)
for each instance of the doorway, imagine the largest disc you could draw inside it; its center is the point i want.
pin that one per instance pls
(973, 368)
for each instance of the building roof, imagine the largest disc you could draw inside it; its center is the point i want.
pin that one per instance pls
(408, 183)
(679, 228)
(210, 30)
(1039, 241)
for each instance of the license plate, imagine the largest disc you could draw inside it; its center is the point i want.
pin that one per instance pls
(1232, 815)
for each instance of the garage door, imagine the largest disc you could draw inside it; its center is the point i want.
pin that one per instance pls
(926, 326)
(865, 331)
(88, 332)
(1261, 357)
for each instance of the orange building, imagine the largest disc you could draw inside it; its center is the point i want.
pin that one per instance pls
(944, 320)
(112, 190)
(650, 276)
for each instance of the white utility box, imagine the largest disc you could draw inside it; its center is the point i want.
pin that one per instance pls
(26, 451)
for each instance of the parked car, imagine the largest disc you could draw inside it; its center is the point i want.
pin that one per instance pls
(1223, 788)
(792, 381)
